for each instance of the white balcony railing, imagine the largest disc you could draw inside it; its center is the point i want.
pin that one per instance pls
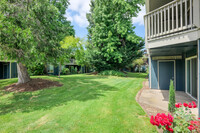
(173, 17)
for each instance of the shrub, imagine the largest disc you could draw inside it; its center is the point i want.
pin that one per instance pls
(65, 71)
(72, 70)
(182, 120)
(172, 101)
(163, 121)
(38, 69)
(195, 126)
(112, 73)
(75, 70)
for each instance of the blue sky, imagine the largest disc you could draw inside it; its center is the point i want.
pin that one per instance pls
(76, 13)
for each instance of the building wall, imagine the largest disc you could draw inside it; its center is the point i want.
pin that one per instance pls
(180, 75)
(191, 53)
(154, 74)
(4, 70)
(1, 70)
(56, 70)
(13, 70)
(7, 69)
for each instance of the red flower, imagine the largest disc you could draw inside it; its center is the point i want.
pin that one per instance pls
(195, 124)
(152, 120)
(185, 104)
(162, 120)
(194, 104)
(178, 105)
(169, 129)
(190, 105)
(191, 128)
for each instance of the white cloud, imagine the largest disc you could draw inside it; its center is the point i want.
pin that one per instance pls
(77, 12)
(78, 8)
(140, 18)
(69, 17)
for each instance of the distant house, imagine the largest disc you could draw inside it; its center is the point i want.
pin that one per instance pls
(8, 69)
(172, 39)
(54, 70)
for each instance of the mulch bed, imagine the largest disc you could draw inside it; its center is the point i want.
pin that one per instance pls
(33, 85)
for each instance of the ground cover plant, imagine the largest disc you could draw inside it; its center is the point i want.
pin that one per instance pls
(85, 103)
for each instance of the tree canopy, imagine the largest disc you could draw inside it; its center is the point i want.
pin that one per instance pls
(74, 48)
(31, 31)
(113, 41)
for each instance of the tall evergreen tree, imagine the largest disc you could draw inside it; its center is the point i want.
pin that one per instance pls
(113, 42)
(30, 32)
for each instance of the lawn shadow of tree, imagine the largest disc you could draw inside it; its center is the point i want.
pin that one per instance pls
(75, 88)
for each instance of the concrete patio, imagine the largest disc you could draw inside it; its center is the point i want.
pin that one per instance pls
(159, 98)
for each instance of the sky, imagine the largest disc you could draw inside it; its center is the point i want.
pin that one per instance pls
(76, 13)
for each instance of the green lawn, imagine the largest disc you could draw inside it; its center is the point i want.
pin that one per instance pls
(84, 104)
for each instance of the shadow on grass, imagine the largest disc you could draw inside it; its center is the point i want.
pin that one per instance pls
(75, 88)
(5, 82)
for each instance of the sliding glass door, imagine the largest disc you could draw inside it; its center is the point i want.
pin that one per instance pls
(191, 76)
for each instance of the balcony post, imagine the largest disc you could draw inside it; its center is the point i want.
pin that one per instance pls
(146, 29)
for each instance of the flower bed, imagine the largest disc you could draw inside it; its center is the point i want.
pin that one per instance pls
(181, 121)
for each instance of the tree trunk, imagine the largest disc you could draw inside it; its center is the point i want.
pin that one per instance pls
(23, 76)
(60, 67)
(45, 69)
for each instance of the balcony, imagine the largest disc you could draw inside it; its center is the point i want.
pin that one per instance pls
(174, 17)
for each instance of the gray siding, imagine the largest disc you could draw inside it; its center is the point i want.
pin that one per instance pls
(180, 75)
(191, 53)
(154, 77)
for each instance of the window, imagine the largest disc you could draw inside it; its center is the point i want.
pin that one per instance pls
(50, 68)
(71, 60)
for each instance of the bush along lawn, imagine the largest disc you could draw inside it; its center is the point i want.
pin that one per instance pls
(84, 104)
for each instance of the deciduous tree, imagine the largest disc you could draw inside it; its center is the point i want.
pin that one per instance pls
(30, 32)
(72, 48)
(113, 41)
